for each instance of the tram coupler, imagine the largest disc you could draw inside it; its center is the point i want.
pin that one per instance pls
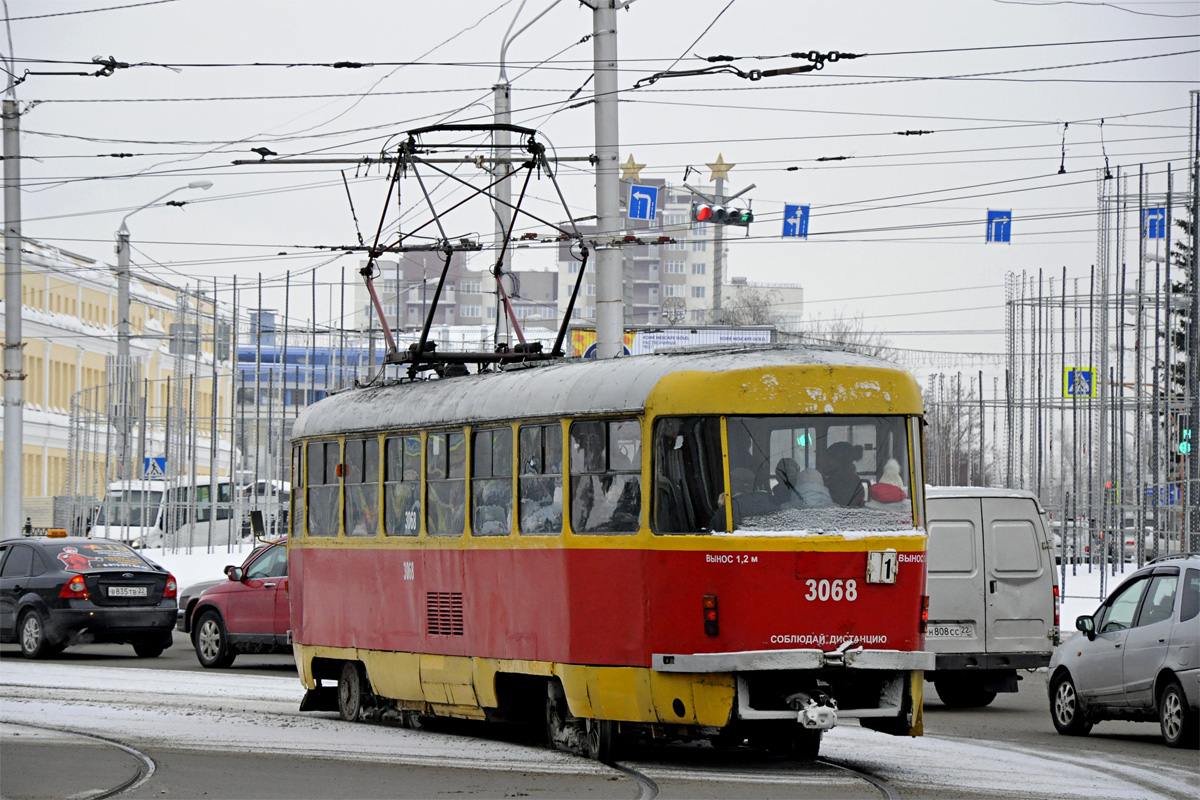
(816, 711)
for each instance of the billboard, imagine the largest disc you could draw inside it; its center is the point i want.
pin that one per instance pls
(642, 341)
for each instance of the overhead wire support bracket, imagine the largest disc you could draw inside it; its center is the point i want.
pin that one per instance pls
(817, 61)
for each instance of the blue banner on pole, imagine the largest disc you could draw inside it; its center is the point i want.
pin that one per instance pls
(999, 226)
(795, 221)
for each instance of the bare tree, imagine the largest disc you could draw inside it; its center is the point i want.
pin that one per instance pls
(955, 451)
(848, 333)
(749, 305)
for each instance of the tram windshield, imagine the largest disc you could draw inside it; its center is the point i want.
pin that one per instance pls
(788, 474)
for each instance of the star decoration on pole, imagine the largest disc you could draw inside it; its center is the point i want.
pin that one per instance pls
(631, 170)
(720, 170)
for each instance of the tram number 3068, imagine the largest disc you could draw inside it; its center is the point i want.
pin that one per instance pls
(835, 590)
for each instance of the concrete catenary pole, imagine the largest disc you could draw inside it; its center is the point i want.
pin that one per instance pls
(14, 377)
(610, 314)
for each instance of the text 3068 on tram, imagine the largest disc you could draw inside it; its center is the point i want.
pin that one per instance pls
(555, 541)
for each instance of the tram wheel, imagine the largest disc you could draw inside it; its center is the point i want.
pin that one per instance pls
(560, 733)
(806, 744)
(601, 743)
(351, 691)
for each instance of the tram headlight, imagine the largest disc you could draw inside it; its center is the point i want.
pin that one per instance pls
(711, 626)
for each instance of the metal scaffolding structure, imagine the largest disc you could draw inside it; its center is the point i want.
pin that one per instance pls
(1092, 410)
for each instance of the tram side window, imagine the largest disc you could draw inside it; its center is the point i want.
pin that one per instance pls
(402, 486)
(491, 482)
(540, 482)
(297, 514)
(687, 473)
(362, 487)
(323, 489)
(606, 490)
(445, 483)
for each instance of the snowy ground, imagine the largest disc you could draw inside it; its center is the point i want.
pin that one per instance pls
(206, 711)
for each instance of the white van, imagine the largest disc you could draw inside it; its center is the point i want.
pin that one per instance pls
(157, 513)
(993, 591)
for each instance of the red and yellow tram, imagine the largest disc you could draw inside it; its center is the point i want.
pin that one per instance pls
(722, 543)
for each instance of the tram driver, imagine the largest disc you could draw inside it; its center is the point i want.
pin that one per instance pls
(748, 500)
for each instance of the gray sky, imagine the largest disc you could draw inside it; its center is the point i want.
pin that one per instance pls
(897, 227)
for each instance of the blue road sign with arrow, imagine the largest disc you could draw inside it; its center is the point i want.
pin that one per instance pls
(795, 221)
(1154, 223)
(999, 226)
(643, 201)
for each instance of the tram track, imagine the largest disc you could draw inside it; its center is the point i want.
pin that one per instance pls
(1166, 781)
(647, 788)
(885, 789)
(794, 774)
(145, 764)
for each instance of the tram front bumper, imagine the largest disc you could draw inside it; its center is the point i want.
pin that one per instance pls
(895, 671)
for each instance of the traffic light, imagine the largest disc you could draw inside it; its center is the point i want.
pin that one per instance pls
(1185, 434)
(710, 212)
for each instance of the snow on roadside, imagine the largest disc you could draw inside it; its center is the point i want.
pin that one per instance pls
(225, 712)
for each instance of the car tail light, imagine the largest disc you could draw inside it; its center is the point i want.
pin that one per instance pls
(172, 589)
(924, 613)
(1056, 606)
(76, 587)
(710, 615)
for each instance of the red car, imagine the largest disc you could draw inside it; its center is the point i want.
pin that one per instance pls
(248, 613)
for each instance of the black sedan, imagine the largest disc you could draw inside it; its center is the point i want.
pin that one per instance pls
(59, 591)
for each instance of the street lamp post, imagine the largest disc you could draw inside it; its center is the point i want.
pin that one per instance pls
(124, 367)
(123, 327)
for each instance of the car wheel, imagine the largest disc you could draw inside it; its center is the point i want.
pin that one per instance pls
(150, 648)
(1065, 708)
(1178, 723)
(212, 642)
(32, 635)
(350, 691)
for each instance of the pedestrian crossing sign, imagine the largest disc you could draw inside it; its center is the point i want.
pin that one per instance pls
(1079, 382)
(154, 468)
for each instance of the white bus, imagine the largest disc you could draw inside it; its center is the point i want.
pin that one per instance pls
(168, 513)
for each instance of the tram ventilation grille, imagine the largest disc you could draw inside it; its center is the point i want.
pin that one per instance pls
(444, 613)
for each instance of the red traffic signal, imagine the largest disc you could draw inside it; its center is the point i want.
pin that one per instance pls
(709, 212)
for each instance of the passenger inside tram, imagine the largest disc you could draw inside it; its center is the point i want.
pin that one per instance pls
(845, 485)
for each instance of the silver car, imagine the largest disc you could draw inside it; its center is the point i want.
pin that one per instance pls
(1138, 656)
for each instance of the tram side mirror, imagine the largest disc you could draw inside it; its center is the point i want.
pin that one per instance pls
(1087, 625)
(234, 573)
